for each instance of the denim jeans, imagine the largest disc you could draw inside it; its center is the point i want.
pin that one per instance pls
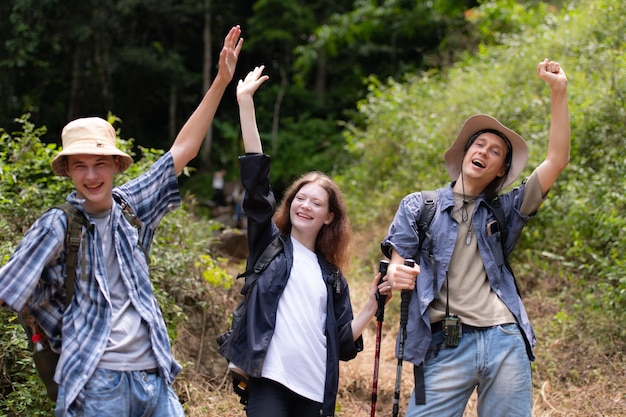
(494, 360)
(132, 394)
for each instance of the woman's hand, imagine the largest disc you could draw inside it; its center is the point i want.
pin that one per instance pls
(371, 306)
(247, 86)
(380, 287)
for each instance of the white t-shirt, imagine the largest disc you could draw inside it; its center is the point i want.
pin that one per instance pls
(296, 357)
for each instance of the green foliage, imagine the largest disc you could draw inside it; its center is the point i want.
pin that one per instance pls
(396, 149)
(27, 183)
(393, 34)
(498, 21)
(213, 274)
(314, 137)
(182, 270)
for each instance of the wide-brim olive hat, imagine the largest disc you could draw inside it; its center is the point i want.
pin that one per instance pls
(519, 151)
(88, 136)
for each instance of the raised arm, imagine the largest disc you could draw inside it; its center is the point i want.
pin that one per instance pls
(247, 115)
(189, 139)
(559, 144)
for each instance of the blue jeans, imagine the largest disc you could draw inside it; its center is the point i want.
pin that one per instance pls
(494, 360)
(132, 394)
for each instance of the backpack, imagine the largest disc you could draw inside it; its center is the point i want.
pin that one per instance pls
(44, 357)
(240, 380)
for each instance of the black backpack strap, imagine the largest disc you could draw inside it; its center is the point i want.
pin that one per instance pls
(75, 222)
(429, 206)
(251, 275)
(269, 253)
(498, 212)
(134, 221)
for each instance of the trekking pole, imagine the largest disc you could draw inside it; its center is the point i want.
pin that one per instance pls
(404, 317)
(380, 316)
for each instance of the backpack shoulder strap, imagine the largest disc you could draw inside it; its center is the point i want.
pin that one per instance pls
(427, 212)
(498, 212)
(134, 221)
(270, 252)
(75, 222)
(128, 212)
(429, 206)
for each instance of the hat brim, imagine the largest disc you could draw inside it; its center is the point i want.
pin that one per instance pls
(59, 163)
(454, 155)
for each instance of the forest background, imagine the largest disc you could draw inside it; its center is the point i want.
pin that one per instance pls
(371, 92)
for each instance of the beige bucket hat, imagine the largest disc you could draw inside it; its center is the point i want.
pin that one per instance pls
(454, 155)
(88, 136)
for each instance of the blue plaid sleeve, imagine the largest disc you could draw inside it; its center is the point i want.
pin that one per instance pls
(36, 256)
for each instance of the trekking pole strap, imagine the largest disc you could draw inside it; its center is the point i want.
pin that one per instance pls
(404, 305)
(420, 385)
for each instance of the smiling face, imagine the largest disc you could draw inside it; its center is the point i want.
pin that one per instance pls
(92, 176)
(484, 161)
(309, 212)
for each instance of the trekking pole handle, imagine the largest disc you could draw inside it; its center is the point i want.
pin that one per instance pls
(382, 268)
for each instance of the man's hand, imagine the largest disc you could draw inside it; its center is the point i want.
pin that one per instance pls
(399, 276)
(230, 53)
(552, 73)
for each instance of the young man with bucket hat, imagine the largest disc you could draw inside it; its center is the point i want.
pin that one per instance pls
(115, 357)
(467, 327)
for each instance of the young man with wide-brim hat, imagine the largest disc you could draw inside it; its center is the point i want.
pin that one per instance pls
(115, 356)
(467, 327)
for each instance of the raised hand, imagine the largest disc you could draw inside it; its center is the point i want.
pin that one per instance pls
(230, 53)
(254, 79)
(552, 73)
(245, 91)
